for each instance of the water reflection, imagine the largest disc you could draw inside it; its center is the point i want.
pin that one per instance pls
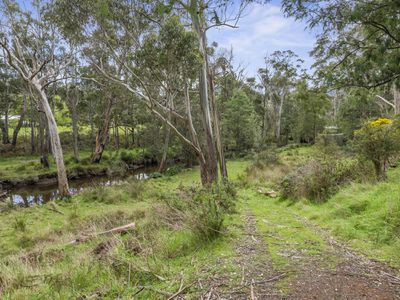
(38, 194)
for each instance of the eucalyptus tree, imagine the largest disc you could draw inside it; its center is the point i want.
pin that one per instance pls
(309, 112)
(239, 122)
(72, 98)
(5, 101)
(111, 36)
(282, 69)
(34, 49)
(358, 42)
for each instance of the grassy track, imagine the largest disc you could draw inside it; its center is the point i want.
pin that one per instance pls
(159, 259)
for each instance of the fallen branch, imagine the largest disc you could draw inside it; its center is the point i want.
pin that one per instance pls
(252, 290)
(253, 283)
(180, 291)
(55, 210)
(117, 230)
(150, 288)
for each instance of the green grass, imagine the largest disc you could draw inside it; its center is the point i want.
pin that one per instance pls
(284, 234)
(366, 216)
(36, 261)
(18, 168)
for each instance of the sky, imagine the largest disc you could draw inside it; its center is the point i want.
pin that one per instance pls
(262, 30)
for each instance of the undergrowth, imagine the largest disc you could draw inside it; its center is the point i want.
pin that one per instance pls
(180, 229)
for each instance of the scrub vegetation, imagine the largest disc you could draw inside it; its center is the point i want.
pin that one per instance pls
(139, 159)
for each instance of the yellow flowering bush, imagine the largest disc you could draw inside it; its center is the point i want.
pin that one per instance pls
(380, 122)
(377, 141)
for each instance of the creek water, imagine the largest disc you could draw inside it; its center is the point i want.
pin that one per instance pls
(42, 193)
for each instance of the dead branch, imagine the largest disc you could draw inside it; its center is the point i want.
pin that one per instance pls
(117, 230)
(180, 291)
(55, 210)
(386, 101)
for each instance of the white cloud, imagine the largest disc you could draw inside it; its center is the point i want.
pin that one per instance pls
(261, 31)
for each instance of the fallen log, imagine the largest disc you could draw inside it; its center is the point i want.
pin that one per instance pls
(118, 230)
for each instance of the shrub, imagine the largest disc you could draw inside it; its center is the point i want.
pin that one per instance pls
(320, 178)
(85, 161)
(102, 194)
(20, 225)
(267, 157)
(174, 170)
(105, 157)
(203, 210)
(20, 168)
(127, 157)
(155, 175)
(134, 187)
(378, 141)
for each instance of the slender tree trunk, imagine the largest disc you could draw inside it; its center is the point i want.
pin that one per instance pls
(133, 136)
(116, 135)
(396, 99)
(218, 138)
(75, 129)
(44, 151)
(103, 133)
(19, 124)
(204, 171)
(265, 120)
(126, 137)
(163, 161)
(32, 124)
(279, 118)
(210, 168)
(92, 130)
(75, 118)
(63, 188)
(6, 138)
(380, 170)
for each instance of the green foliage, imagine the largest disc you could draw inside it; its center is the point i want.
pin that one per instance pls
(155, 175)
(128, 157)
(305, 115)
(203, 211)
(378, 141)
(238, 123)
(134, 188)
(267, 157)
(320, 178)
(171, 171)
(366, 216)
(357, 105)
(101, 194)
(20, 224)
(352, 50)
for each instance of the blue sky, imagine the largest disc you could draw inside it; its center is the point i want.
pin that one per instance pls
(262, 30)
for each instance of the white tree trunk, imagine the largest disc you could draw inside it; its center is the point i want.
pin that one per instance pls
(210, 169)
(279, 119)
(396, 99)
(55, 142)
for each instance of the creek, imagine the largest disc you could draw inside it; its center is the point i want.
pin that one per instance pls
(44, 192)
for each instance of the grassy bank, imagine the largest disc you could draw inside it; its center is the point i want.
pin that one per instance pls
(18, 169)
(37, 261)
(366, 216)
